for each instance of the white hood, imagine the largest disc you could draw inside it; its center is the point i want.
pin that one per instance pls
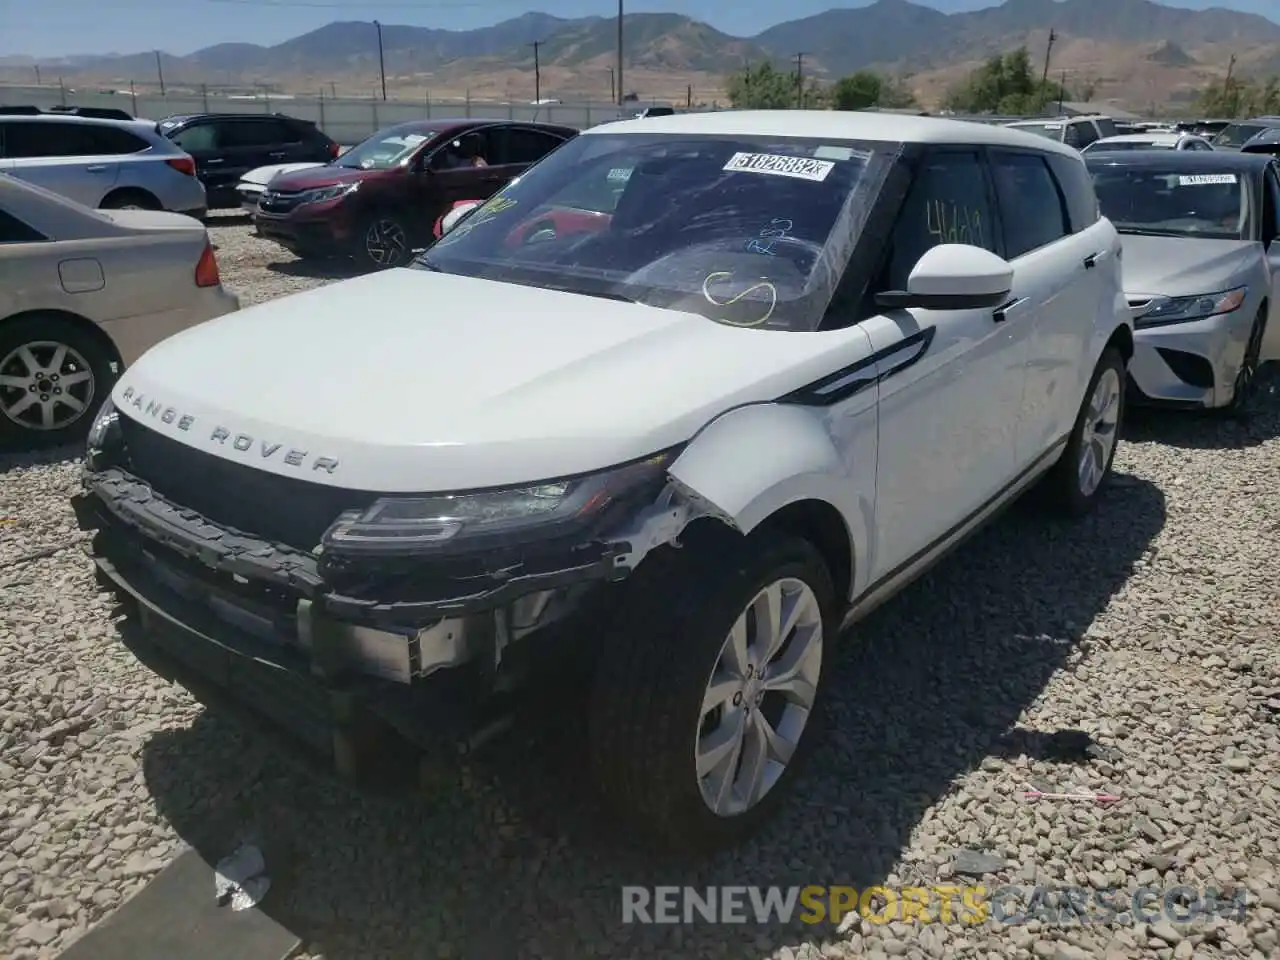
(417, 381)
(261, 176)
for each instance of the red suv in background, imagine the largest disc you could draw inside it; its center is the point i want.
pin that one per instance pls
(380, 200)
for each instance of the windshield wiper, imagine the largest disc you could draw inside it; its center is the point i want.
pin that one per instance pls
(1140, 232)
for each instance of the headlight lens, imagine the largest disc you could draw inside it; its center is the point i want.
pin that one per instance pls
(1184, 309)
(329, 193)
(107, 418)
(408, 525)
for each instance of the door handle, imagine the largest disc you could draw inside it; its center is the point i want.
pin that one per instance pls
(96, 168)
(277, 156)
(1001, 313)
(1092, 259)
(210, 163)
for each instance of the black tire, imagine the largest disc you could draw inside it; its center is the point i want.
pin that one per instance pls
(84, 353)
(130, 200)
(653, 669)
(1062, 489)
(1245, 387)
(386, 226)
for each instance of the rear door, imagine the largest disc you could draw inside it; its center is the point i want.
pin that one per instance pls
(1059, 255)
(200, 140)
(62, 156)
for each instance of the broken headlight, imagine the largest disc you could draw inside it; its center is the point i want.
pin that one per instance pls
(104, 434)
(470, 521)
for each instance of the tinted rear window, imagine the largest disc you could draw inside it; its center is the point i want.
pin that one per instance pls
(1235, 134)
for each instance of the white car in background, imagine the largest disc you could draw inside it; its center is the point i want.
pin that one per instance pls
(812, 350)
(253, 183)
(111, 164)
(83, 293)
(1149, 141)
(1076, 132)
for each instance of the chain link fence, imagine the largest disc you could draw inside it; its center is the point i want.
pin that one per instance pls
(345, 119)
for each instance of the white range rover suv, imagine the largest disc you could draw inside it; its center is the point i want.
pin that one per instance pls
(707, 389)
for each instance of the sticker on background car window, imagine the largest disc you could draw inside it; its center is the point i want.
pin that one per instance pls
(833, 153)
(620, 174)
(780, 165)
(1200, 179)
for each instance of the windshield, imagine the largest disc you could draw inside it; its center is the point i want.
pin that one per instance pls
(1176, 203)
(1052, 131)
(383, 150)
(1236, 134)
(1104, 146)
(746, 231)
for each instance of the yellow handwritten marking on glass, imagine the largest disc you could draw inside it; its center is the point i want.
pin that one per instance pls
(953, 223)
(762, 285)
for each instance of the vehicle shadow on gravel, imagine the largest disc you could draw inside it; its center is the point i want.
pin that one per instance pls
(517, 861)
(1197, 430)
(335, 268)
(17, 458)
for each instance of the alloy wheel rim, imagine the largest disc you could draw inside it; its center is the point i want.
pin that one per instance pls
(45, 385)
(1101, 426)
(759, 697)
(385, 242)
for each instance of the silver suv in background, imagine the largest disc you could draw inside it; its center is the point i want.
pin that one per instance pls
(1076, 132)
(112, 164)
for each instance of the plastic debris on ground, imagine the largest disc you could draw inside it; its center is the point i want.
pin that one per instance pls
(242, 878)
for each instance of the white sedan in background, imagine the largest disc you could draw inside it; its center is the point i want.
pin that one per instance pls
(83, 293)
(251, 184)
(1151, 140)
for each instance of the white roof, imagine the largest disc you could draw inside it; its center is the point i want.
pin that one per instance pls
(836, 125)
(1154, 136)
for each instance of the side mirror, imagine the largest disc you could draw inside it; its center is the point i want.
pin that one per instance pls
(454, 217)
(953, 276)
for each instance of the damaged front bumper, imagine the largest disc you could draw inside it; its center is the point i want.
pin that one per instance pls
(391, 621)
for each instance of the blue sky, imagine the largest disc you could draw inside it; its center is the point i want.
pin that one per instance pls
(57, 27)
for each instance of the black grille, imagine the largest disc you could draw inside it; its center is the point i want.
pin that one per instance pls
(289, 511)
(275, 202)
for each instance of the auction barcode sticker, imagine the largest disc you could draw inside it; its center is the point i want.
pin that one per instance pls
(1199, 179)
(801, 168)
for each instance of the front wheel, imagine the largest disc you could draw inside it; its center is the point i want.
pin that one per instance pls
(53, 377)
(1076, 481)
(383, 242)
(705, 697)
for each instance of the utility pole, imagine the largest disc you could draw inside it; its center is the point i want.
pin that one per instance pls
(688, 97)
(37, 74)
(1048, 52)
(613, 86)
(1062, 91)
(537, 72)
(621, 95)
(160, 72)
(800, 78)
(382, 62)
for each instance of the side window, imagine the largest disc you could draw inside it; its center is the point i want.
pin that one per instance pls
(470, 146)
(948, 203)
(200, 136)
(113, 140)
(1077, 187)
(13, 230)
(1031, 207)
(25, 140)
(1085, 133)
(1106, 127)
(522, 145)
(234, 134)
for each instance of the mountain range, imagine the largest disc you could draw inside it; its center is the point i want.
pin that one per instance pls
(1125, 49)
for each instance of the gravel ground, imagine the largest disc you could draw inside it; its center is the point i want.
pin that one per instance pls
(1150, 626)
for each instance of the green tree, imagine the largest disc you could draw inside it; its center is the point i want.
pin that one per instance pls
(1234, 97)
(764, 87)
(1006, 83)
(865, 89)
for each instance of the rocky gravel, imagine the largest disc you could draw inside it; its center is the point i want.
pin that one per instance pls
(1133, 653)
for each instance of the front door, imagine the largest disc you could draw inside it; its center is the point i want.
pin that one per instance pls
(1059, 272)
(952, 379)
(1271, 340)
